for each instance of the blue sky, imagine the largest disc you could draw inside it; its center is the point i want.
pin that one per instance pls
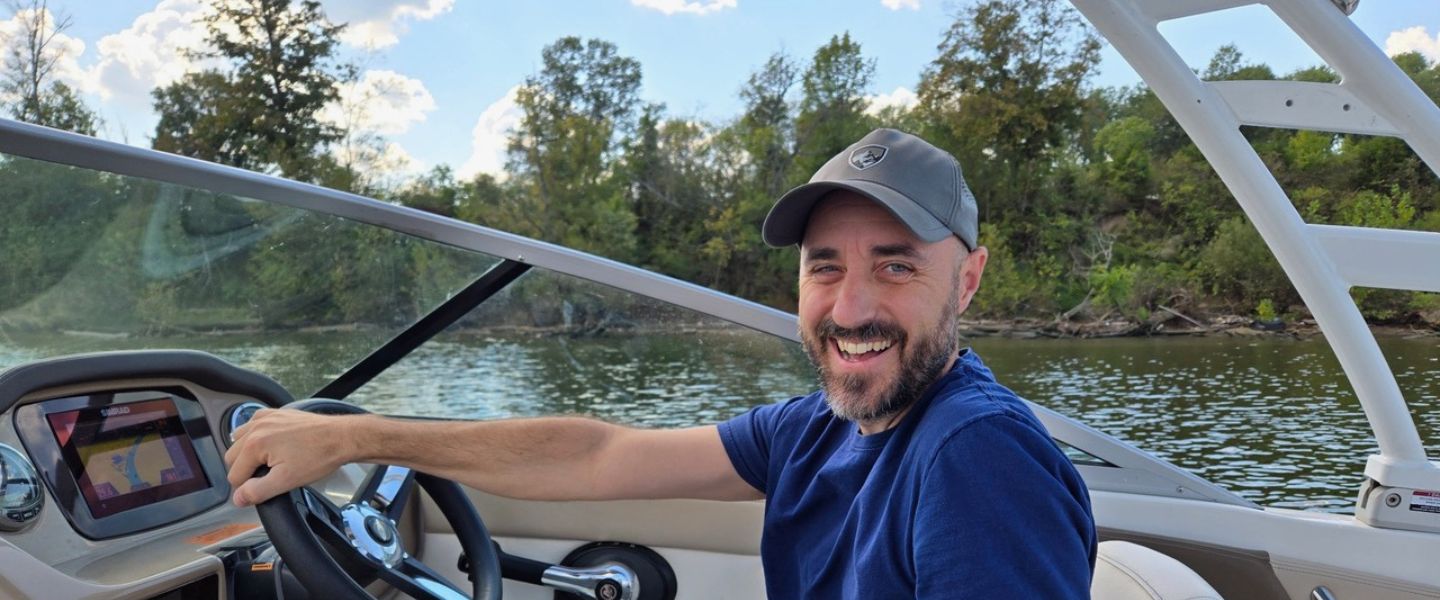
(438, 71)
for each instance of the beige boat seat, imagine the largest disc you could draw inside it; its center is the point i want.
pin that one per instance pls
(1126, 571)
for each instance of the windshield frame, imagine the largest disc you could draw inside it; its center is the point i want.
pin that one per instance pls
(61, 147)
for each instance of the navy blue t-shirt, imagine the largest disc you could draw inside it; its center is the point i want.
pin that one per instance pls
(967, 497)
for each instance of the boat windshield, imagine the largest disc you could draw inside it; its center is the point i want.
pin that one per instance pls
(98, 261)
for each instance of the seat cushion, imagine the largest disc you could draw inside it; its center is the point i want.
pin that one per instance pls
(1126, 571)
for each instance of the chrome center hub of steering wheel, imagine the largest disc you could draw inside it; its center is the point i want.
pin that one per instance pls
(372, 534)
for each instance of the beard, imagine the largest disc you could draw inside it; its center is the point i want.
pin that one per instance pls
(865, 398)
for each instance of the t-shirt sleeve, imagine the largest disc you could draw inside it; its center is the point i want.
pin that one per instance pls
(1002, 514)
(748, 439)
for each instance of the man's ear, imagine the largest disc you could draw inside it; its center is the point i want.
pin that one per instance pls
(971, 269)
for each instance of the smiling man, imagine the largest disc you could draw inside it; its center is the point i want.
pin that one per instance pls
(910, 474)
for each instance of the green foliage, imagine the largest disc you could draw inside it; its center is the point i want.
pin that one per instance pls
(1311, 151)
(1239, 268)
(1006, 97)
(436, 192)
(1113, 286)
(59, 107)
(1369, 209)
(1123, 168)
(1265, 311)
(674, 190)
(766, 130)
(1228, 64)
(51, 215)
(832, 107)
(1009, 287)
(576, 111)
(260, 113)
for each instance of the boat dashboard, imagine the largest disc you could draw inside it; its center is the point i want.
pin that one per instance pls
(114, 484)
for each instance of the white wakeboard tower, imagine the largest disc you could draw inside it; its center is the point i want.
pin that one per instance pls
(1374, 97)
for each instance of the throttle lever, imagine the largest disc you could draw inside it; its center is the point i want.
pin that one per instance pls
(603, 582)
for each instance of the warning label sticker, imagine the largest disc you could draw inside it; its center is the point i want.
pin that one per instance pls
(1425, 501)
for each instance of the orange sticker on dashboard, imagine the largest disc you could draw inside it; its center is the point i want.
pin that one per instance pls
(226, 532)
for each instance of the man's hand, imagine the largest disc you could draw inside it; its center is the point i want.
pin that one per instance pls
(299, 447)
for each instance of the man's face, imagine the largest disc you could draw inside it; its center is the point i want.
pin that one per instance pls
(878, 306)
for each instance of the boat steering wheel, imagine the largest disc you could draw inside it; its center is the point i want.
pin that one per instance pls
(337, 548)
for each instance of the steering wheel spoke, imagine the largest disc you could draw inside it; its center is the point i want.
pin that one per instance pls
(324, 517)
(420, 581)
(386, 489)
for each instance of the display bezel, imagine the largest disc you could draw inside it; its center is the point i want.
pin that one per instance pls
(81, 432)
(32, 422)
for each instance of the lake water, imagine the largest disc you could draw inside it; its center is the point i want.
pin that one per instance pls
(1271, 419)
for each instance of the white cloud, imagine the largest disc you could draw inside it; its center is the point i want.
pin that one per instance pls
(380, 23)
(671, 7)
(65, 49)
(899, 4)
(378, 104)
(152, 52)
(382, 102)
(490, 136)
(1414, 39)
(901, 98)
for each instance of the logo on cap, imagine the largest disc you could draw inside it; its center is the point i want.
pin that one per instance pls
(865, 157)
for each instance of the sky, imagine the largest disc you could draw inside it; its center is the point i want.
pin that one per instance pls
(438, 77)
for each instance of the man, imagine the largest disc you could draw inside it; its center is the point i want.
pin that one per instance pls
(912, 473)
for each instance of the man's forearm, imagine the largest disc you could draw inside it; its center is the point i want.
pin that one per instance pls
(554, 458)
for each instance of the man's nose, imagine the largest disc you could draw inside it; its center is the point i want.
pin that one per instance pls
(855, 302)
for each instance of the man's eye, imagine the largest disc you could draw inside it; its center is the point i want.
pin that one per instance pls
(898, 269)
(820, 269)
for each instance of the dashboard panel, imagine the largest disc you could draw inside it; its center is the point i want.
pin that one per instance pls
(127, 450)
(122, 461)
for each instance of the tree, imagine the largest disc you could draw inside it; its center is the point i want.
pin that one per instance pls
(756, 155)
(29, 78)
(203, 116)
(766, 129)
(1006, 94)
(832, 106)
(262, 112)
(1007, 97)
(435, 192)
(577, 110)
(61, 108)
(1228, 64)
(676, 184)
(1123, 166)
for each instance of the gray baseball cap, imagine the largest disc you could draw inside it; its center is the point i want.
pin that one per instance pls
(917, 182)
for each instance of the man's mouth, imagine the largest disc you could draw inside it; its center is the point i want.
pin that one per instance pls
(863, 350)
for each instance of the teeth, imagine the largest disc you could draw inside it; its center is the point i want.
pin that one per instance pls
(854, 348)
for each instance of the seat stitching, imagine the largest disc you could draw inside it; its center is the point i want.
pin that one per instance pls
(1145, 585)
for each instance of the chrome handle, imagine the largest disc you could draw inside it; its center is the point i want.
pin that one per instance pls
(1321, 593)
(604, 582)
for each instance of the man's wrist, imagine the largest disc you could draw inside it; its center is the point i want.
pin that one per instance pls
(357, 435)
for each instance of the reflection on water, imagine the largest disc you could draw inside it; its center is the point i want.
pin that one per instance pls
(1272, 420)
(651, 381)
